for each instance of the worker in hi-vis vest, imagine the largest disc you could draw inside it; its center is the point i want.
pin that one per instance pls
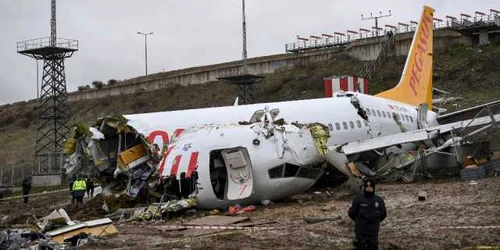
(79, 188)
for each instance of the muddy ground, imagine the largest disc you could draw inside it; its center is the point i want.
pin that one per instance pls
(454, 216)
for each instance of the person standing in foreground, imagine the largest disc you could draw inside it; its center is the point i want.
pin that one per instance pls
(79, 188)
(71, 182)
(367, 211)
(26, 189)
(90, 187)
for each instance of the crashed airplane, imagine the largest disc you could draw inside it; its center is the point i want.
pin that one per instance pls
(251, 153)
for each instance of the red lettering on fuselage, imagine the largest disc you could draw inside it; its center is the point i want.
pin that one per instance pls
(178, 132)
(418, 59)
(163, 134)
(162, 165)
(193, 162)
(175, 165)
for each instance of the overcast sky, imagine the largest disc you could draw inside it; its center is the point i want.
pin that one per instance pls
(186, 33)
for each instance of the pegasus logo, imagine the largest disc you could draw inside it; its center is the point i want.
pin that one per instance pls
(422, 47)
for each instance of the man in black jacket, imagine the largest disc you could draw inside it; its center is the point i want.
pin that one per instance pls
(90, 187)
(367, 211)
(26, 189)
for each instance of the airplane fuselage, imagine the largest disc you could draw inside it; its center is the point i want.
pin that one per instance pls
(339, 110)
(349, 117)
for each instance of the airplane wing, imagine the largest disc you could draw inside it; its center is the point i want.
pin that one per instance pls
(414, 136)
(468, 113)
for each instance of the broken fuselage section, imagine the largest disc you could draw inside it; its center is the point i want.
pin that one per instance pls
(216, 165)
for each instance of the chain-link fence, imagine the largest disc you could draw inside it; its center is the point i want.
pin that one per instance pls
(13, 175)
(14, 167)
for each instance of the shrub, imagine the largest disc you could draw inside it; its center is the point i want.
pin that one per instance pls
(97, 84)
(30, 115)
(25, 123)
(112, 81)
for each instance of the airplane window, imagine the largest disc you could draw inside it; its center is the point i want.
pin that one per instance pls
(411, 118)
(407, 118)
(345, 125)
(374, 113)
(378, 113)
(291, 170)
(330, 127)
(310, 172)
(403, 117)
(337, 126)
(276, 172)
(368, 112)
(359, 123)
(388, 114)
(351, 123)
(383, 114)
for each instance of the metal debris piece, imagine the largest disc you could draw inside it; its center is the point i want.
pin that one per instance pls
(316, 219)
(422, 195)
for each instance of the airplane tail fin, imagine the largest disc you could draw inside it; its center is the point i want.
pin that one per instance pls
(415, 85)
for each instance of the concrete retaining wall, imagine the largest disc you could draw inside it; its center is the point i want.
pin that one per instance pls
(204, 74)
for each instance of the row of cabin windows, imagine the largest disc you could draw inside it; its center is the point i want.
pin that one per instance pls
(379, 113)
(387, 114)
(345, 125)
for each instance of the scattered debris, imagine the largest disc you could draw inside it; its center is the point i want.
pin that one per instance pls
(422, 195)
(80, 239)
(154, 211)
(316, 219)
(472, 172)
(56, 231)
(97, 228)
(237, 209)
(266, 202)
(214, 211)
(217, 220)
(56, 219)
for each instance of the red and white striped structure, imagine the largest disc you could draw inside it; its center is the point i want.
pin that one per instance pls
(345, 83)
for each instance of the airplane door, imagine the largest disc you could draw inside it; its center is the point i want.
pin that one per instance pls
(239, 173)
(422, 116)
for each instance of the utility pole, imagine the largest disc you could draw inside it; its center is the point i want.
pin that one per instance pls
(244, 38)
(145, 48)
(376, 18)
(243, 79)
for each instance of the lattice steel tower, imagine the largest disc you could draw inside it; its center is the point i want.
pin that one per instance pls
(53, 116)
